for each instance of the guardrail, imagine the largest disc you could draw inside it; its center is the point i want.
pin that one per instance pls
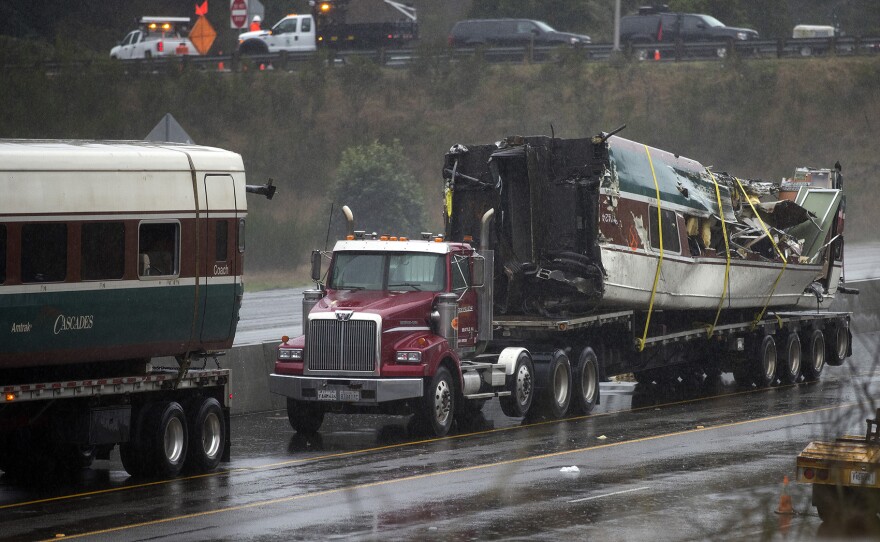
(671, 52)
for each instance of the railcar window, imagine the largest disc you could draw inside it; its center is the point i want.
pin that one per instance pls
(158, 249)
(103, 251)
(670, 230)
(43, 252)
(222, 252)
(2, 253)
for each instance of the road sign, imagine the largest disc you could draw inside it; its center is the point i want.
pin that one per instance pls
(238, 12)
(202, 36)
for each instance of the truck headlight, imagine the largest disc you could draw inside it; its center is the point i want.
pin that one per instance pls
(409, 357)
(742, 36)
(295, 354)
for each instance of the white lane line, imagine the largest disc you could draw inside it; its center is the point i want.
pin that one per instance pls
(610, 494)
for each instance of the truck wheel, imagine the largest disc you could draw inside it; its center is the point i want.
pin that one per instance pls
(763, 363)
(304, 417)
(521, 387)
(439, 402)
(166, 439)
(586, 383)
(837, 344)
(791, 367)
(814, 354)
(207, 436)
(556, 395)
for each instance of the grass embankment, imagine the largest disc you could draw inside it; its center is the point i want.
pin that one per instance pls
(753, 118)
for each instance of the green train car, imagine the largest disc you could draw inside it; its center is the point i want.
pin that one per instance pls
(113, 254)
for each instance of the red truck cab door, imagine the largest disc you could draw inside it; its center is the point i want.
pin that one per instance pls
(461, 278)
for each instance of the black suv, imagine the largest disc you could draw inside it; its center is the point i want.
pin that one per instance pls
(658, 26)
(510, 32)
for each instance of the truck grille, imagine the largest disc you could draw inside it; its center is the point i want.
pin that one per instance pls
(341, 347)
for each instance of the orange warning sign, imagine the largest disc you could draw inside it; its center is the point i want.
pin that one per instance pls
(202, 35)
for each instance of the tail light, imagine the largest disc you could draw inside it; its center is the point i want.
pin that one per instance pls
(160, 46)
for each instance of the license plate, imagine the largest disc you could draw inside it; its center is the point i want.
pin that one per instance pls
(326, 395)
(349, 395)
(863, 478)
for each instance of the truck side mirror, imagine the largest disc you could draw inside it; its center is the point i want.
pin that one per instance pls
(316, 265)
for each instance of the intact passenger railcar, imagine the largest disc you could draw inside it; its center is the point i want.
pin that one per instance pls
(114, 251)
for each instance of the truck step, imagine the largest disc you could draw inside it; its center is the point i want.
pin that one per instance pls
(488, 395)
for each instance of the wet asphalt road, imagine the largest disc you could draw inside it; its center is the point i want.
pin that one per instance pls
(673, 464)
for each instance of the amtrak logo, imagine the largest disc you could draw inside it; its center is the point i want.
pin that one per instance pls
(344, 316)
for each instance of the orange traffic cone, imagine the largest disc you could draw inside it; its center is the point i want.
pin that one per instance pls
(656, 54)
(785, 499)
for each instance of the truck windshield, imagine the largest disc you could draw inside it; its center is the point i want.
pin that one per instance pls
(388, 271)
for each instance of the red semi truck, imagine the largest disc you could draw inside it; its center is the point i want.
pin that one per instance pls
(430, 326)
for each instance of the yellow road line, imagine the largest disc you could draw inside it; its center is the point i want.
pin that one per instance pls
(292, 498)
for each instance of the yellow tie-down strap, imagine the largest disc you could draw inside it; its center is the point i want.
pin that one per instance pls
(711, 328)
(660, 260)
(760, 315)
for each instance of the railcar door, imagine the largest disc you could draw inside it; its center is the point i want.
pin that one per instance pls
(220, 273)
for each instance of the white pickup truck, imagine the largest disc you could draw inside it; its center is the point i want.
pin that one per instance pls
(295, 33)
(156, 37)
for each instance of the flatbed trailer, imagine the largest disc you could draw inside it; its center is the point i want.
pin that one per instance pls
(57, 426)
(844, 474)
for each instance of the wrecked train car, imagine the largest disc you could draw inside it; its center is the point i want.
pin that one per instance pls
(611, 223)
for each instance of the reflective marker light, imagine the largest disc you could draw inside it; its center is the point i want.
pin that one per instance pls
(409, 357)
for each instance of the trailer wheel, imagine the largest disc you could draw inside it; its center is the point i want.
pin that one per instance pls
(304, 417)
(814, 354)
(791, 367)
(586, 383)
(132, 452)
(742, 373)
(521, 387)
(837, 340)
(439, 402)
(166, 439)
(207, 435)
(556, 394)
(763, 364)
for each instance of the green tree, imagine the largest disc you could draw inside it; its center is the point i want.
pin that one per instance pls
(375, 182)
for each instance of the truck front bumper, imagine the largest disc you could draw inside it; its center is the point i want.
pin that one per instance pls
(339, 390)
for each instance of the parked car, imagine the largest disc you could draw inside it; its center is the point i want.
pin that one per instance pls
(510, 33)
(653, 25)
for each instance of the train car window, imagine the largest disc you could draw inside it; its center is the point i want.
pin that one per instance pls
(103, 251)
(222, 252)
(158, 249)
(241, 235)
(43, 252)
(670, 230)
(2, 253)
